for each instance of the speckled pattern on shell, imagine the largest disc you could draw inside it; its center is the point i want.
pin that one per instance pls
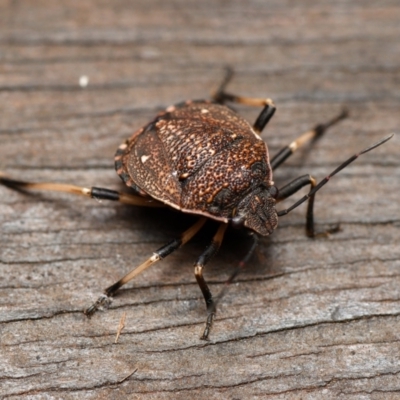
(198, 157)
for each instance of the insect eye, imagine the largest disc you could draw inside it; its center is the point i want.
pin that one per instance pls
(258, 170)
(238, 222)
(273, 191)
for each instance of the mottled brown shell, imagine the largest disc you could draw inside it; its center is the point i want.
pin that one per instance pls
(202, 158)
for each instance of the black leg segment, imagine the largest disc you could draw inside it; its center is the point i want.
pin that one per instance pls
(294, 187)
(264, 117)
(219, 96)
(206, 256)
(241, 266)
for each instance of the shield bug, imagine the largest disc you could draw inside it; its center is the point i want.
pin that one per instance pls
(202, 158)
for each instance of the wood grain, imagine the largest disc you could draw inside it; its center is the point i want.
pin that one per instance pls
(308, 319)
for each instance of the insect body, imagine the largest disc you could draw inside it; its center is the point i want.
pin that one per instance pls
(202, 158)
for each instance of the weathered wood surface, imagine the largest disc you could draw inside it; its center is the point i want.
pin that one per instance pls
(309, 318)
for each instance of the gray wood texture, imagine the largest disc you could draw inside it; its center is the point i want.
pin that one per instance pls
(308, 319)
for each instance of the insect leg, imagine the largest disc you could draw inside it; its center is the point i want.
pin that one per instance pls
(294, 187)
(210, 251)
(93, 192)
(266, 113)
(220, 96)
(158, 255)
(314, 133)
(298, 183)
(241, 266)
